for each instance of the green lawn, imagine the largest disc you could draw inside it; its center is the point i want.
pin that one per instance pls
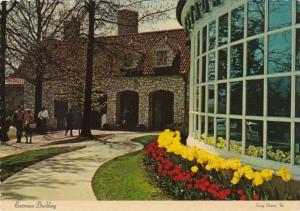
(125, 178)
(12, 164)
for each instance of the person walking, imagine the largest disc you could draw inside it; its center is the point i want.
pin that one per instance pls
(28, 122)
(18, 122)
(69, 121)
(43, 117)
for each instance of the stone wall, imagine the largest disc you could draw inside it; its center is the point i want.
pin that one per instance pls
(143, 85)
(14, 96)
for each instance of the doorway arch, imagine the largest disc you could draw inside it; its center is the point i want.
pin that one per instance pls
(161, 108)
(128, 110)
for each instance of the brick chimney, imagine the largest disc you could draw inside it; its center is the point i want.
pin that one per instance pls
(128, 22)
(71, 28)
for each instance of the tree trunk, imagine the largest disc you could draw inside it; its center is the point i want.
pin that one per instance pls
(38, 99)
(3, 16)
(86, 126)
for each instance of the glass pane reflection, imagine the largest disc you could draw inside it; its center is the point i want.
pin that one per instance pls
(280, 57)
(282, 9)
(222, 66)
(211, 98)
(255, 57)
(297, 144)
(279, 97)
(298, 96)
(203, 71)
(204, 39)
(237, 23)
(223, 29)
(279, 142)
(236, 101)
(255, 97)
(203, 100)
(237, 61)
(298, 49)
(221, 133)
(256, 17)
(235, 144)
(211, 139)
(222, 95)
(211, 67)
(254, 138)
(212, 35)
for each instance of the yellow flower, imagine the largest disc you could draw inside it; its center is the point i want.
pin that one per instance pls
(194, 169)
(235, 180)
(257, 179)
(285, 174)
(267, 174)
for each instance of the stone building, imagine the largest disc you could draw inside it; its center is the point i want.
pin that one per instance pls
(14, 94)
(139, 78)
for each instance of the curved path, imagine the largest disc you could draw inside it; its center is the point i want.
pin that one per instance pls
(67, 176)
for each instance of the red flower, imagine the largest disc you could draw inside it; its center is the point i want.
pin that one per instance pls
(256, 197)
(215, 187)
(189, 186)
(243, 197)
(240, 192)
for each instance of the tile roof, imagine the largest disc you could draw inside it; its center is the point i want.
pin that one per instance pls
(147, 42)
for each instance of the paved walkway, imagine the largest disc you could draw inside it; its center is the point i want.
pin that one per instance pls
(40, 141)
(67, 176)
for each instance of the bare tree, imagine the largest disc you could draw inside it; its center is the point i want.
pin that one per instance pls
(100, 17)
(34, 31)
(4, 11)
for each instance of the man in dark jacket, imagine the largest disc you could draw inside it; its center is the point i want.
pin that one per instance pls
(18, 122)
(69, 121)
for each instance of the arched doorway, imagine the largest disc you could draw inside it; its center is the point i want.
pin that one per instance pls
(128, 110)
(161, 107)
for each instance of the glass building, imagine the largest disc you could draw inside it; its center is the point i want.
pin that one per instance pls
(245, 79)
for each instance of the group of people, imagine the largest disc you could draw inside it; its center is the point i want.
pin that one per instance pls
(73, 120)
(23, 120)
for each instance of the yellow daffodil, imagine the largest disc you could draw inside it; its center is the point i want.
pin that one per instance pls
(285, 174)
(257, 179)
(267, 174)
(194, 169)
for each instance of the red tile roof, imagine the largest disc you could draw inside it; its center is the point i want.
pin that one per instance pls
(147, 42)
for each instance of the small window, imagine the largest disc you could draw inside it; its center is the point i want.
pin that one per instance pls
(162, 58)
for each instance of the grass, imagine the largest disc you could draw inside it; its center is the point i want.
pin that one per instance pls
(125, 178)
(14, 163)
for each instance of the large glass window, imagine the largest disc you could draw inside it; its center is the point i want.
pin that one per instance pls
(223, 29)
(279, 141)
(236, 101)
(237, 61)
(235, 144)
(222, 66)
(204, 39)
(298, 49)
(298, 96)
(280, 14)
(255, 97)
(297, 144)
(256, 17)
(211, 98)
(254, 138)
(221, 133)
(280, 57)
(211, 67)
(212, 35)
(237, 24)
(279, 97)
(203, 71)
(255, 57)
(222, 98)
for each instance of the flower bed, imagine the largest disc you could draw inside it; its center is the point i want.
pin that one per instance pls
(189, 173)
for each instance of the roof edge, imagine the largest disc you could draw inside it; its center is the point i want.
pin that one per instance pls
(179, 9)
